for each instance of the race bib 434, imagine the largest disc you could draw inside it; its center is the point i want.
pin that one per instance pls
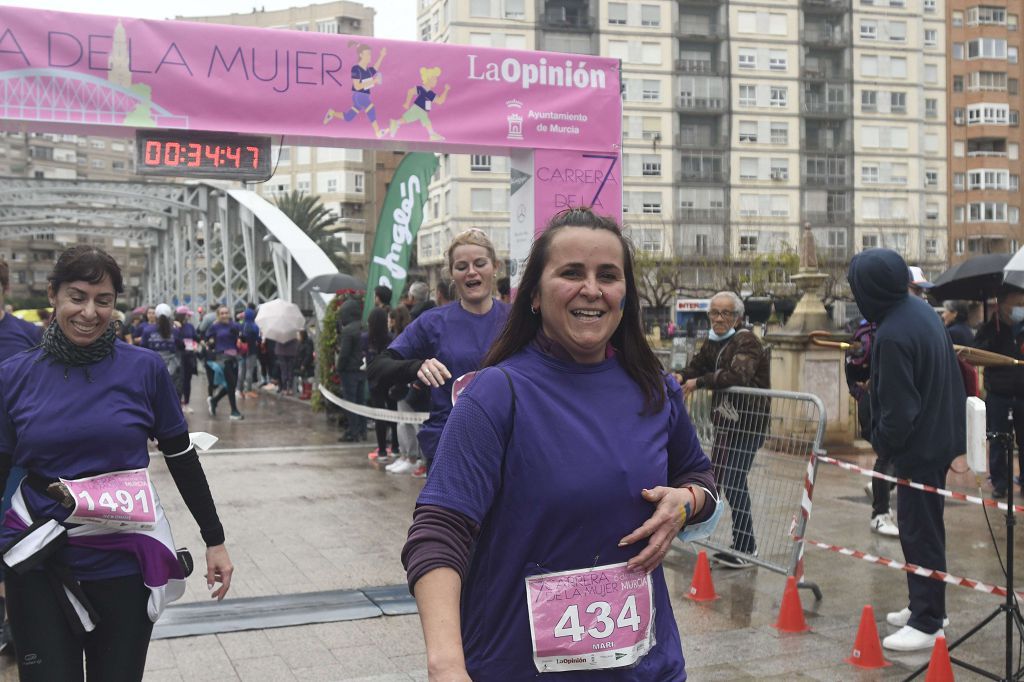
(590, 618)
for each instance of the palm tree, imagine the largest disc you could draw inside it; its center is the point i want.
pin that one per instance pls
(313, 218)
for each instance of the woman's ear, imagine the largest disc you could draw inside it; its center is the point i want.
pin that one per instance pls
(51, 295)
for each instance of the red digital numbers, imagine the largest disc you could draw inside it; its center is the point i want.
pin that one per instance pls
(255, 156)
(195, 154)
(152, 156)
(204, 153)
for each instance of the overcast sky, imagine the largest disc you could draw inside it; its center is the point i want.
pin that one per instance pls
(395, 18)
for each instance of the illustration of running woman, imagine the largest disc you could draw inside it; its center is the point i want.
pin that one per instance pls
(364, 77)
(425, 98)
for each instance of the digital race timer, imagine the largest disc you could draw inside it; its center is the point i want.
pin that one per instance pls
(202, 155)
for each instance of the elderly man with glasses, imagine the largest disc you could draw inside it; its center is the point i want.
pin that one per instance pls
(733, 356)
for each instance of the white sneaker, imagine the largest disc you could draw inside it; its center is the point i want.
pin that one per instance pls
(911, 639)
(402, 466)
(883, 524)
(901, 618)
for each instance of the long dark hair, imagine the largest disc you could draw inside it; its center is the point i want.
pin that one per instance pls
(635, 356)
(84, 263)
(163, 326)
(377, 329)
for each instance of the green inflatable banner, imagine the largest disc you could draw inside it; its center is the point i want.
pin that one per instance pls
(400, 220)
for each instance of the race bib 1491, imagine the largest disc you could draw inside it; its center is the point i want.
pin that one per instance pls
(121, 499)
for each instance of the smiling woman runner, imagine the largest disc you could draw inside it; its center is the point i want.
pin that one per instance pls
(444, 343)
(77, 412)
(563, 474)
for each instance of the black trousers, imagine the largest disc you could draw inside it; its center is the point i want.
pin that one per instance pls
(923, 538)
(46, 647)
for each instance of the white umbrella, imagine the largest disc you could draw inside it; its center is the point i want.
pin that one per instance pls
(279, 320)
(1013, 273)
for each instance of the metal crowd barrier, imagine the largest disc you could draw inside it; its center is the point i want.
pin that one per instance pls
(762, 445)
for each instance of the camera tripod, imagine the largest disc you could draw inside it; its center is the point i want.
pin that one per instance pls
(1010, 609)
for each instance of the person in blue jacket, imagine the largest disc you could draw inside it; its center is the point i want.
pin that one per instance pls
(918, 423)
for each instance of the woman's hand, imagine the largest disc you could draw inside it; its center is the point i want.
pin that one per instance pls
(433, 373)
(689, 387)
(663, 526)
(452, 674)
(218, 570)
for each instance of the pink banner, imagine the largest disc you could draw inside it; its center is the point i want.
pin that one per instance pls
(83, 73)
(569, 179)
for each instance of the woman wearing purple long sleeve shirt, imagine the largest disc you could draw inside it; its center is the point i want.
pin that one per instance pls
(570, 457)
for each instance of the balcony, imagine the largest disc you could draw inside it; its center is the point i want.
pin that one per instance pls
(707, 105)
(825, 72)
(706, 67)
(825, 36)
(698, 30)
(817, 218)
(826, 6)
(835, 149)
(986, 154)
(703, 215)
(558, 19)
(702, 176)
(829, 180)
(819, 108)
(705, 141)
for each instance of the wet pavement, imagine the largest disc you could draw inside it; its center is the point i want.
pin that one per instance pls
(305, 513)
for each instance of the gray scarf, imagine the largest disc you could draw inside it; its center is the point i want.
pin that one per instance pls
(62, 351)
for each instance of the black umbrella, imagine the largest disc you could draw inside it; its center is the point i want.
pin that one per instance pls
(976, 279)
(333, 282)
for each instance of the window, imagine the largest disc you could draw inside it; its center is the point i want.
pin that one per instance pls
(777, 60)
(748, 168)
(929, 5)
(957, 19)
(650, 53)
(357, 182)
(1011, 55)
(931, 107)
(868, 30)
(329, 26)
(897, 67)
(779, 169)
(651, 165)
(931, 37)
(748, 95)
(746, 22)
(987, 80)
(748, 131)
(332, 184)
(931, 211)
(651, 203)
(958, 51)
(869, 100)
(959, 117)
(869, 174)
(479, 162)
(958, 83)
(931, 73)
(868, 241)
(480, 200)
(898, 102)
(480, 8)
(931, 178)
(514, 9)
(748, 242)
(869, 65)
(958, 247)
(986, 48)
(986, 15)
(617, 13)
(651, 90)
(747, 58)
(988, 114)
(650, 15)
(986, 212)
(931, 246)
(898, 31)
(779, 97)
(779, 132)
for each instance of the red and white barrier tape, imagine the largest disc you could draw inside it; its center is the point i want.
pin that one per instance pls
(919, 486)
(913, 569)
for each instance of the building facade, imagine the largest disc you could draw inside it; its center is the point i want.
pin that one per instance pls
(344, 179)
(984, 143)
(743, 121)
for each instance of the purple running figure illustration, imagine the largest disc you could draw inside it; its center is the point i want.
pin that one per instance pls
(364, 77)
(418, 110)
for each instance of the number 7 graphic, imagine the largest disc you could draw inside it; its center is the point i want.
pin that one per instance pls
(611, 167)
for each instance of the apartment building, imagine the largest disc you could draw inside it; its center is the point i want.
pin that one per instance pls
(984, 142)
(344, 179)
(743, 121)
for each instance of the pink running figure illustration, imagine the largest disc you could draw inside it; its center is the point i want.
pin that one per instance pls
(364, 77)
(420, 108)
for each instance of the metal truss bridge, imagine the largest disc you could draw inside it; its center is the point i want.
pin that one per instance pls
(205, 244)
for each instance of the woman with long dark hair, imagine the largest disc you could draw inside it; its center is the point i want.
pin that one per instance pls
(165, 341)
(77, 413)
(568, 461)
(377, 339)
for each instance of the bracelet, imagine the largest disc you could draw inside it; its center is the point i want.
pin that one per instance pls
(686, 510)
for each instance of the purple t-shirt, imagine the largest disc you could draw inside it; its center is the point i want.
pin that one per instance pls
(225, 337)
(152, 340)
(423, 96)
(17, 335)
(556, 493)
(459, 339)
(74, 427)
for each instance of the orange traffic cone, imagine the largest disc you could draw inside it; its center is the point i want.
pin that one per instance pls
(867, 649)
(791, 613)
(702, 589)
(940, 669)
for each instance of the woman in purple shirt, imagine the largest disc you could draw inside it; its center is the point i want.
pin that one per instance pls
(222, 341)
(571, 452)
(444, 343)
(80, 406)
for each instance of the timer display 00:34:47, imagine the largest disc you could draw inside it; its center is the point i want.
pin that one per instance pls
(195, 155)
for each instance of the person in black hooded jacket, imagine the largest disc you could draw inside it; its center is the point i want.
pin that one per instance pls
(918, 408)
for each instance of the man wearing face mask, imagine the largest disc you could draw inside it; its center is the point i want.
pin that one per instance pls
(1004, 386)
(733, 356)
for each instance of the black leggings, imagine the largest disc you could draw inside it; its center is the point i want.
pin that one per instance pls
(46, 647)
(230, 365)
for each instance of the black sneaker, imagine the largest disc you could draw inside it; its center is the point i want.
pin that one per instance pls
(237, 416)
(726, 560)
(6, 640)
(998, 493)
(211, 407)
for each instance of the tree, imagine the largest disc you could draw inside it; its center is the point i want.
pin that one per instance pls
(313, 218)
(657, 281)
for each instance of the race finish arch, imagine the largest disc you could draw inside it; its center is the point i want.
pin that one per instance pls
(204, 100)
